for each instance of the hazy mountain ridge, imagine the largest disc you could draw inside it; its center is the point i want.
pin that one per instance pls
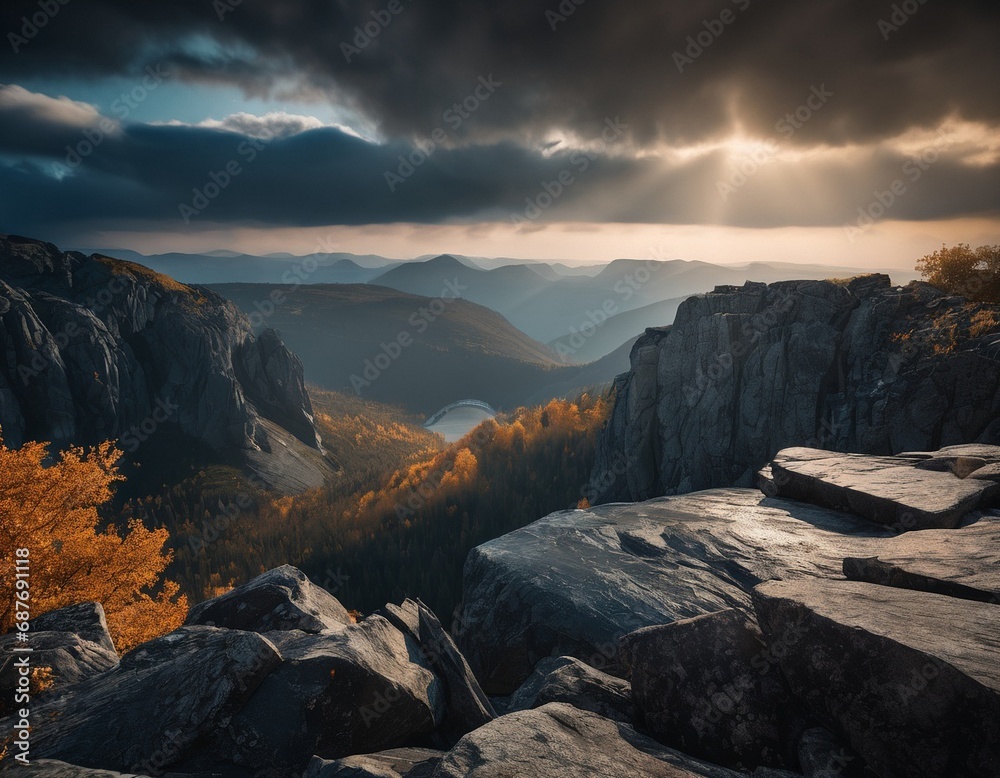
(406, 349)
(550, 310)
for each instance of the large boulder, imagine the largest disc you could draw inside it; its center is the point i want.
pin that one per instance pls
(575, 582)
(711, 687)
(526, 694)
(566, 679)
(72, 642)
(963, 563)
(395, 763)
(744, 372)
(466, 706)
(559, 741)
(910, 679)
(147, 712)
(903, 492)
(280, 599)
(355, 691)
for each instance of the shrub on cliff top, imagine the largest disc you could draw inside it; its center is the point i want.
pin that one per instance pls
(962, 270)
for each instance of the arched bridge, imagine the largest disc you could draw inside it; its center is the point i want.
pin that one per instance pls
(459, 404)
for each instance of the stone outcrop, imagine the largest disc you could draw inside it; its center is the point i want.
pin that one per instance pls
(964, 563)
(568, 680)
(711, 687)
(575, 582)
(395, 763)
(467, 707)
(280, 599)
(560, 741)
(526, 695)
(916, 491)
(72, 642)
(911, 679)
(260, 681)
(334, 694)
(53, 768)
(155, 704)
(856, 366)
(95, 349)
(893, 673)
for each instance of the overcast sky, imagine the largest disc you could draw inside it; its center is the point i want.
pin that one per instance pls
(854, 132)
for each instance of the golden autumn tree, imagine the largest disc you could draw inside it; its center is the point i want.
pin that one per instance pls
(963, 270)
(49, 505)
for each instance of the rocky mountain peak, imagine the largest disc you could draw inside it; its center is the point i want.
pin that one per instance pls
(94, 348)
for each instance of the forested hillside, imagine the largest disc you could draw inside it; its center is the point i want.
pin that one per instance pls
(402, 514)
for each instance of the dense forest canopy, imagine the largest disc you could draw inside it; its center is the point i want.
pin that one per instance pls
(402, 514)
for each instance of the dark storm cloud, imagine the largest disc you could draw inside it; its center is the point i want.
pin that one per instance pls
(31, 123)
(183, 175)
(601, 60)
(271, 172)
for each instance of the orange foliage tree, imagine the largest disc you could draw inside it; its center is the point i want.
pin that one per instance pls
(49, 505)
(962, 270)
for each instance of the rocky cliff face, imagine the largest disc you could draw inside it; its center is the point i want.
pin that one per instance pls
(854, 366)
(789, 630)
(94, 349)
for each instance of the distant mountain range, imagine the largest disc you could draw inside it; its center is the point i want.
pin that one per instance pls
(583, 313)
(421, 352)
(553, 309)
(588, 343)
(221, 268)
